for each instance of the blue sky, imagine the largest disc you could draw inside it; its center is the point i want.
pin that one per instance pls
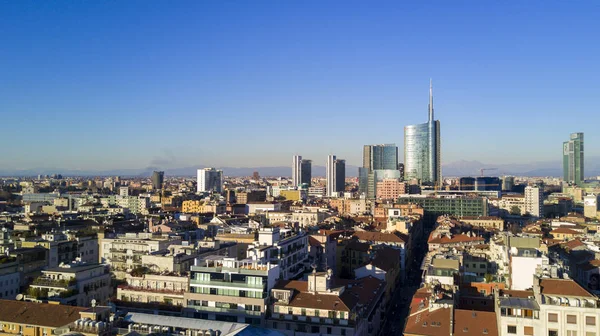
(128, 84)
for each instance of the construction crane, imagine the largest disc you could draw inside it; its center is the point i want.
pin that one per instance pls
(482, 170)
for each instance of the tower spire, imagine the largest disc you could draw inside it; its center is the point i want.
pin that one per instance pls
(430, 100)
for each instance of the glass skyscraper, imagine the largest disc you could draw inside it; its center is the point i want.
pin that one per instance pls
(379, 161)
(422, 150)
(573, 159)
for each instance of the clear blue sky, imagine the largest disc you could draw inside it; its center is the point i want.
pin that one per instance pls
(128, 84)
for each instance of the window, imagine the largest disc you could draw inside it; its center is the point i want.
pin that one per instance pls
(329, 330)
(511, 329)
(590, 333)
(572, 319)
(303, 312)
(315, 329)
(552, 317)
(343, 332)
(590, 320)
(552, 332)
(528, 331)
(571, 333)
(274, 325)
(317, 313)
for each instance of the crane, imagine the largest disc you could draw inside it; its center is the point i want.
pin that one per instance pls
(484, 169)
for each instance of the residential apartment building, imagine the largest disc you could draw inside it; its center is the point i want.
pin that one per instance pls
(210, 179)
(285, 247)
(154, 289)
(455, 206)
(390, 189)
(197, 206)
(226, 289)
(487, 222)
(244, 197)
(75, 284)
(36, 319)
(60, 248)
(309, 218)
(324, 306)
(534, 201)
(554, 307)
(125, 251)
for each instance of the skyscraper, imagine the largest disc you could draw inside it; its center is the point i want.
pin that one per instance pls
(335, 175)
(422, 149)
(210, 179)
(301, 171)
(158, 178)
(382, 159)
(573, 159)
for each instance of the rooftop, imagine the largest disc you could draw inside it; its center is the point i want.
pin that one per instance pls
(39, 314)
(474, 323)
(566, 287)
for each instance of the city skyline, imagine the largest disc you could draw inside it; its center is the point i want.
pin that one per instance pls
(249, 76)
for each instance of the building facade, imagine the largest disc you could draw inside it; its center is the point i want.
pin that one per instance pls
(335, 176)
(158, 178)
(573, 159)
(210, 179)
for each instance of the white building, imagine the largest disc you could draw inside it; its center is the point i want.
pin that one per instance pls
(284, 247)
(525, 259)
(534, 201)
(296, 170)
(210, 179)
(75, 284)
(335, 171)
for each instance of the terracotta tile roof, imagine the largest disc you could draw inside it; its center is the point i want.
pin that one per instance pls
(471, 323)
(429, 323)
(301, 286)
(378, 237)
(39, 314)
(459, 238)
(320, 301)
(573, 244)
(564, 231)
(566, 287)
(517, 293)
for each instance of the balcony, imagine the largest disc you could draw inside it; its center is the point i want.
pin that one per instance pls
(151, 290)
(56, 283)
(226, 310)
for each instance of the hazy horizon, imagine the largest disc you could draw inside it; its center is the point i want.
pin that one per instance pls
(86, 87)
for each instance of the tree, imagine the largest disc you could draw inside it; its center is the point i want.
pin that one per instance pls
(488, 277)
(515, 210)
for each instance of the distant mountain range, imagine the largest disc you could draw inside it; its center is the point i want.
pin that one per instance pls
(457, 168)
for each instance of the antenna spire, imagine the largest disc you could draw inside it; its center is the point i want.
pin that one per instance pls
(430, 100)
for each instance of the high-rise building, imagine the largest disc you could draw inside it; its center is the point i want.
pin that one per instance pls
(301, 171)
(210, 179)
(422, 149)
(534, 201)
(377, 158)
(335, 175)
(158, 178)
(573, 159)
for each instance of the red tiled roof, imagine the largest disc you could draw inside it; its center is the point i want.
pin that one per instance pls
(39, 314)
(378, 237)
(429, 323)
(563, 287)
(565, 231)
(475, 323)
(459, 238)
(573, 244)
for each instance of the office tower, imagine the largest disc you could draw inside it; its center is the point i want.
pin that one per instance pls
(508, 183)
(210, 179)
(573, 159)
(335, 175)
(296, 170)
(301, 171)
(158, 178)
(305, 172)
(422, 149)
(534, 201)
(379, 162)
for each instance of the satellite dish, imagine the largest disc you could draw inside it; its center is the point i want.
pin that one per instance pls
(19, 297)
(93, 302)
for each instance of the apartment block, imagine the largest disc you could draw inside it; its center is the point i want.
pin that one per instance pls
(285, 247)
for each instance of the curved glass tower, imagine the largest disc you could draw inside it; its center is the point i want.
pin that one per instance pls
(422, 149)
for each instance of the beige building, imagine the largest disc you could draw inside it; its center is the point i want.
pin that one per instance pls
(390, 189)
(152, 288)
(125, 252)
(309, 218)
(488, 222)
(36, 319)
(194, 206)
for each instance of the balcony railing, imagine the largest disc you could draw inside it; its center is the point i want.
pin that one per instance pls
(153, 290)
(48, 282)
(227, 310)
